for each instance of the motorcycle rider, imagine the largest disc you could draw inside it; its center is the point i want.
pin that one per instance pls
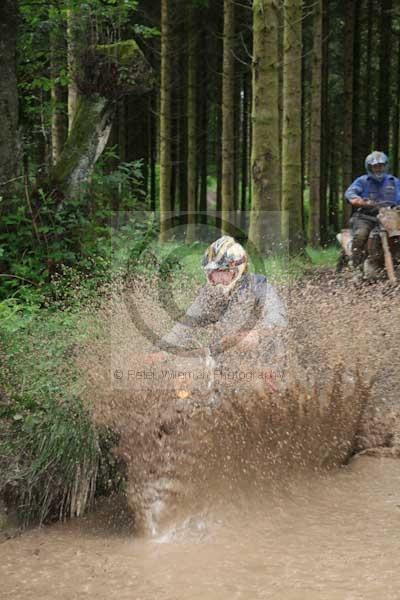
(234, 309)
(365, 195)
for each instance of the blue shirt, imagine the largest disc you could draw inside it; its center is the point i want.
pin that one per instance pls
(367, 188)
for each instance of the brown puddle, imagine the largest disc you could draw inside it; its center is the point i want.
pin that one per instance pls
(335, 537)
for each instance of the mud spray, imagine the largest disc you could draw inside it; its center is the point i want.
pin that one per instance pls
(241, 483)
(193, 432)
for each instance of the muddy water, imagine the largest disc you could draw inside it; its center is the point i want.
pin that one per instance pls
(335, 537)
(256, 520)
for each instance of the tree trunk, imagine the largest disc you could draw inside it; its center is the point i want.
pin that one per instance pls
(358, 152)
(385, 69)
(174, 131)
(237, 100)
(76, 39)
(165, 120)
(304, 117)
(324, 164)
(218, 154)
(291, 136)
(174, 173)
(281, 25)
(86, 142)
(368, 130)
(249, 153)
(348, 103)
(59, 93)
(95, 112)
(245, 144)
(153, 150)
(315, 133)
(333, 217)
(182, 136)
(192, 127)
(203, 101)
(180, 114)
(228, 91)
(264, 230)
(396, 118)
(8, 97)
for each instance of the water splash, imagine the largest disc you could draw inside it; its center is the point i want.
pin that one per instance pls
(222, 437)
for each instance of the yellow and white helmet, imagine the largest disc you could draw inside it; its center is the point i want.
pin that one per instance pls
(224, 262)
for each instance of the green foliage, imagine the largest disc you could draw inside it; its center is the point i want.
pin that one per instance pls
(324, 256)
(146, 32)
(33, 72)
(71, 244)
(110, 13)
(47, 450)
(100, 22)
(48, 445)
(123, 183)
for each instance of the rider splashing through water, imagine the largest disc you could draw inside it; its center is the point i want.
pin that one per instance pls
(234, 310)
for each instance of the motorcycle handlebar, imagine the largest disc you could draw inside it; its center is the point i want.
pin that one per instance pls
(378, 205)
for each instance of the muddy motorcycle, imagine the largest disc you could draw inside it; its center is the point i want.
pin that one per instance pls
(383, 246)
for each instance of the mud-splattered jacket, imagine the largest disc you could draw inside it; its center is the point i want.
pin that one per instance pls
(253, 304)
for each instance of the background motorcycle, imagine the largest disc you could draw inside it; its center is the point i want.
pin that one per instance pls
(383, 246)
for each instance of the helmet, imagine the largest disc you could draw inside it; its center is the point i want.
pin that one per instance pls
(376, 158)
(224, 262)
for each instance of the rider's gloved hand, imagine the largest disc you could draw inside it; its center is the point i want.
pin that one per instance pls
(242, 341)
(358, 202)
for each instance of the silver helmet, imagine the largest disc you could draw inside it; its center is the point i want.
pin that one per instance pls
(377, 158)
(224, 262)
